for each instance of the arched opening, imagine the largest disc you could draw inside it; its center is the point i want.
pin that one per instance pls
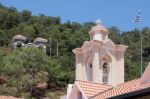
(40, 47)
(19, 45)
(106, 69)
(105, 72)
(30, 45)
(90, 65)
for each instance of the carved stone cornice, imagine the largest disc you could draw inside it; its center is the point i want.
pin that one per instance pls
(109, 45)
(77, 51)
(121, 48)
(96, 44)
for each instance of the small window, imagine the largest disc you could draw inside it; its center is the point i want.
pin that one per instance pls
(103, 37)
(90, 65)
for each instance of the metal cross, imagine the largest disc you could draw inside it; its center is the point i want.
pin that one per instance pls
(98, 22)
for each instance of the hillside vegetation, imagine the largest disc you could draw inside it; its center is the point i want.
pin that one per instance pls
(22, 71)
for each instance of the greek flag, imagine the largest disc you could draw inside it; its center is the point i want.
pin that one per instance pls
(137, 18)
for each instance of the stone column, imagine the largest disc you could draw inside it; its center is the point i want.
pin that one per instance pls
(97, 70)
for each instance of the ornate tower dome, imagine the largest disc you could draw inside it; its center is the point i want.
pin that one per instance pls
(99, 32)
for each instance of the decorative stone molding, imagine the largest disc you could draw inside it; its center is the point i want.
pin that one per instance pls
(30, 45)
(77, 51)
(121, 48)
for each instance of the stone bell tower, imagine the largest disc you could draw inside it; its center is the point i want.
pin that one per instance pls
(100, 60)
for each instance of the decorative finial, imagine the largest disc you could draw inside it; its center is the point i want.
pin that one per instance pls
(98, 22)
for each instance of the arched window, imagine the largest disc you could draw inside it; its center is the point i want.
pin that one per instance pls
(106, 69)
(90, 65)
(105, 72)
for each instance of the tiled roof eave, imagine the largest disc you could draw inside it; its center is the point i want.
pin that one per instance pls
(130, 94)
(101, 92)
(89, 92)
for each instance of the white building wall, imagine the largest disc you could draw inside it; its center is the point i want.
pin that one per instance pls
(89, 73)
(69, 89)
(97, 72)
(120, 68)
(79, 67)
(84, 72)
(97, 36)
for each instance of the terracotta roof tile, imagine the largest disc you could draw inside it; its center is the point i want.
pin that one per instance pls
(102, 91)
(127, 87)
(90, 88)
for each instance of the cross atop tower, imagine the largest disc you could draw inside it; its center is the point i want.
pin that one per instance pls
(98, 22)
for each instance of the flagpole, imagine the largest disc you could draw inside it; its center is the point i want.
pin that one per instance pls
(137, 19)
(141, 53)
(141, 44)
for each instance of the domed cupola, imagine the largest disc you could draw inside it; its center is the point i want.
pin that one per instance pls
(41, 43)
(99, 32)
(19, 41)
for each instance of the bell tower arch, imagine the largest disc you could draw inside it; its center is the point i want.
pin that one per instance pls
(106, 68)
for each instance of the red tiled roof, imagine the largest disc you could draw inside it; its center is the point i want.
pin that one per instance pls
(90, 88)
(102, 91)
(127, 87)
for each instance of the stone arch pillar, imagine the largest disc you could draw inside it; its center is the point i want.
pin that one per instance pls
(97, 72)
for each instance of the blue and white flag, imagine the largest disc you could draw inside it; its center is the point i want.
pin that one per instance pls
(137, 18)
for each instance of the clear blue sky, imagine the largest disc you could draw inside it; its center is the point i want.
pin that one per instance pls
(118, 13)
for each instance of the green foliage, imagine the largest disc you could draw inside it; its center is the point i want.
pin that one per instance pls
(25, 68)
